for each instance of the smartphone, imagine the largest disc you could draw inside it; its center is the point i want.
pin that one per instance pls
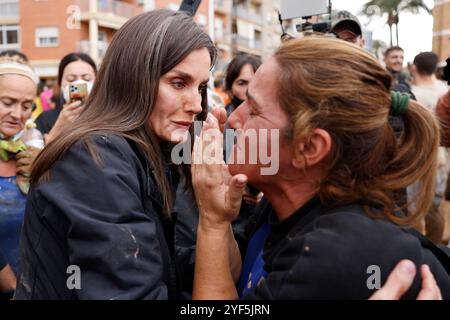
(78, 92)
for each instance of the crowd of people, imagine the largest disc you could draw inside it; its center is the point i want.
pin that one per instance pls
(362, 171)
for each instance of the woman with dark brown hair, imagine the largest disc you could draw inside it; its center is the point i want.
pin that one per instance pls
(98, 222)
(238, 75)
(329, 226)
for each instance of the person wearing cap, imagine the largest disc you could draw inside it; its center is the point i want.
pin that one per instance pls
(347, 27)
(18, 85)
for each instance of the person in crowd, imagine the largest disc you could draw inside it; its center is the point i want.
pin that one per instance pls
(393, 58)
(18, 85)
(238, 74)
(443, 113)
(102, 191)
(14, 55)
(73, 67)
(330, 212)
(347, 27)
(427, 90)
(219, 89)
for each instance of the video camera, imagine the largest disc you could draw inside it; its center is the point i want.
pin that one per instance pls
(305, 9)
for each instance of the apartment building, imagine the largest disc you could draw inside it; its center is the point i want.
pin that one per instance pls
(255, 26)
(441, 31)
(46, 30)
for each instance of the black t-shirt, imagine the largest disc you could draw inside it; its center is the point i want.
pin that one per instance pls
(46, 120)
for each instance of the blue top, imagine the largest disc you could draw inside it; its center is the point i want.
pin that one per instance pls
(253, 267)
(12, 210)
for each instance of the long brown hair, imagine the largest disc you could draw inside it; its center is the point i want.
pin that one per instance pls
(126, 88)
(344, 90)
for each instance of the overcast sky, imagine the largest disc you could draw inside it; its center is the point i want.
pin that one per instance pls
(415, 31)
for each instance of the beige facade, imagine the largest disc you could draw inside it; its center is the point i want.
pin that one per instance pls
(441, 31)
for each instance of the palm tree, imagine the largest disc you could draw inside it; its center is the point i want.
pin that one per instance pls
(393, 8)
(378, 47)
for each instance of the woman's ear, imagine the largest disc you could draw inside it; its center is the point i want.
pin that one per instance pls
(312, 151)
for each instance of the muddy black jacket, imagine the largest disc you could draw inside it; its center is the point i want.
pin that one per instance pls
(320, 253)
(105, 219)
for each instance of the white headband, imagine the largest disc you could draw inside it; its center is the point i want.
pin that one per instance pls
(20, 69)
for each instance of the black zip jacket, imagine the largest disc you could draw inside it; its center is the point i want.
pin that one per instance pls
(106, 220)
(322, 253)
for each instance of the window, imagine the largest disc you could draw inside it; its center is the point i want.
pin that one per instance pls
(47, 37)
(173, 6)
(9, 37)
(202, 20)
(148, 5)
(9, 8)
(102, 44)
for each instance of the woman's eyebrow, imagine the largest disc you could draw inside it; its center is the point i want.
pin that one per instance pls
(186, 76)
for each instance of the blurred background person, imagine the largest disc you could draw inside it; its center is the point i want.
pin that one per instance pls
(219, 89)
(73, 67)
(393, 59)
(18, 85)
(238, 74)
(348, 28)
(14, 55)
(428, 89)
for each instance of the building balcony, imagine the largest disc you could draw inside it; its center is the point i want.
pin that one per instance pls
(109, 13)
(223, 6)
(84, 46)
(9, 11)
(114, 7)
(244, 13)
(250, 43)
(222, 37)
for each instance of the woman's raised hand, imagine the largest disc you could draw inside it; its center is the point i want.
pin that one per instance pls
(218, 194)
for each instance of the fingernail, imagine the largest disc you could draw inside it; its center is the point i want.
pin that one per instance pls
(241, 180)
(425, 266)
(407, 267)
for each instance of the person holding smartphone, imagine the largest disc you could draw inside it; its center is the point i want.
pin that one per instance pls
(74, 68)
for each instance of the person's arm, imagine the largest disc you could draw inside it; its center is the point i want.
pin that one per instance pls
(216, 272)
(7, 277)
(110, 237)
(218, 261)
(67, 115)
